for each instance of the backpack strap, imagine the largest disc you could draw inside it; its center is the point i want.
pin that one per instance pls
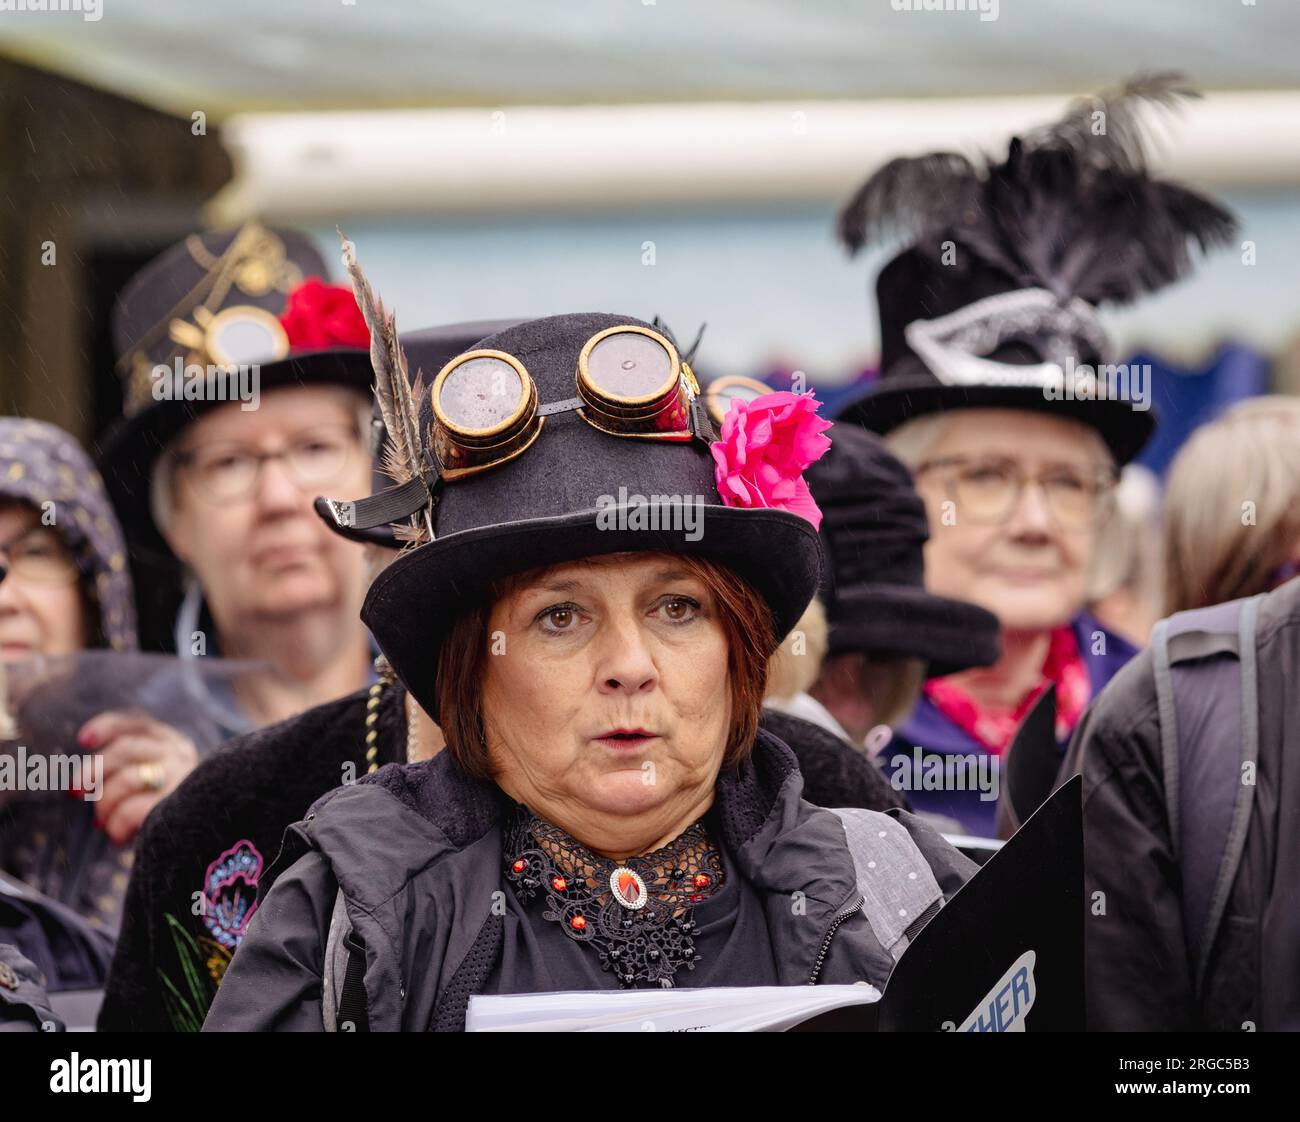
(899, 892)
(1206, 679)
(344, 1004)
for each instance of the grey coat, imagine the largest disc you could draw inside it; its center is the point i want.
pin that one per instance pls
(417, 853)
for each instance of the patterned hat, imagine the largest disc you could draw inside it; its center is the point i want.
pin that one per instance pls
(45, 467)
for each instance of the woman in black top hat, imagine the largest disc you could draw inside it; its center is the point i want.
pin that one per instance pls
(246, 394)
(995, 391)
(588, 615)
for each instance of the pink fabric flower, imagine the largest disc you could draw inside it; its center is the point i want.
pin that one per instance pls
(766, 444)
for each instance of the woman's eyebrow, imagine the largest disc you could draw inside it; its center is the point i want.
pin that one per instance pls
(570, 585)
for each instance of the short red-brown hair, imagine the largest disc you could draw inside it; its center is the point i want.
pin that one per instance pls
(746, 623)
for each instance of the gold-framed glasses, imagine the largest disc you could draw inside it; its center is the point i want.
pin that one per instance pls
(987, 489)
(227, 471)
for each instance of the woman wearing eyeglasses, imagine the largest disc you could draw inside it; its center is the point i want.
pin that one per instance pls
(246, 393)
(995, 392)
(597, 586)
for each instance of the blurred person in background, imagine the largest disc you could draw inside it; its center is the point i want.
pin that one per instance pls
(219, 833)
(1191, 806)
(1232, 506)
(247, 394)
(991, 393)
(65, 588)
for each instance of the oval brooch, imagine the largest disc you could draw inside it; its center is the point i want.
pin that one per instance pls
(628, 888)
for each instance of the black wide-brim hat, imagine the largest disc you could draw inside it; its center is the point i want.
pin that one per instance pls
(552, 505)
(874, 529)
(915, 287)
(265, 267)
(949, 635)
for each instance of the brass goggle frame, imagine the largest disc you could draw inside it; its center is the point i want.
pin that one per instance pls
(664, 413)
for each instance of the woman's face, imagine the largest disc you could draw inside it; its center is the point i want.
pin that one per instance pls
(261, 553)
(606, 698)
(1029, 569)
(41, 609)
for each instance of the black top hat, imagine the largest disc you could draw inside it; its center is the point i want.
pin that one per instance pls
(993, 303)
(427, 351)
(575, 492)
(874, 530)
(251, 296)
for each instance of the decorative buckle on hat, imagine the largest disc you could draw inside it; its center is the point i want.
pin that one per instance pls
(241, 335)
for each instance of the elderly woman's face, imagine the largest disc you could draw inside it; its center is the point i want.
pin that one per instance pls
(1029, 568)
(41, 610)
(258, 547)
(606, 695)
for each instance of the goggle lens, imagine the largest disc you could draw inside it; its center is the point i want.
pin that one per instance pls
(480, 394)
(629, 365)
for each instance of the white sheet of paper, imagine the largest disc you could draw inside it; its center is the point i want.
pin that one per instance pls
(719, 1009)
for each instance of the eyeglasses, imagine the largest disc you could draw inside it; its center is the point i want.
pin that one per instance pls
(226, 471)
(630, 382)
(988, 490)
(40, 557)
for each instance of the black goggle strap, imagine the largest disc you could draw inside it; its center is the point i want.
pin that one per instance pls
(396, 504)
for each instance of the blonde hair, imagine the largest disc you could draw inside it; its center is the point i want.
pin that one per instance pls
(913, 439)
(1232, 504)
(798, 660)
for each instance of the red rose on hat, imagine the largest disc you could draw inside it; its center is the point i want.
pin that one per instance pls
(319, 316)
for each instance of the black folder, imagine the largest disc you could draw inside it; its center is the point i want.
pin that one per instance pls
(1005, 953)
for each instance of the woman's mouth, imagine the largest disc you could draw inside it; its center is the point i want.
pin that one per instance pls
(626, 739)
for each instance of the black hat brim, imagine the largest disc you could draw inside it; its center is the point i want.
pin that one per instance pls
(419, 596)
(904, 398)
(132, 447)
(950, 635)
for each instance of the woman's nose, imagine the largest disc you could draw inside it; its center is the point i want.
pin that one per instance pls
(1031, 514)
(626, 664)
(276, 489)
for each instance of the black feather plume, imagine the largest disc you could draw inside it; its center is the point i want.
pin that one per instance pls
(1071, 209)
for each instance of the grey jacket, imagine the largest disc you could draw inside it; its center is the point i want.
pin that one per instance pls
(414, 853)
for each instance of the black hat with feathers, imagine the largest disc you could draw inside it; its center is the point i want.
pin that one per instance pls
(1006, 261)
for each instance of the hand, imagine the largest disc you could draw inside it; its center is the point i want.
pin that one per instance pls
(144, 762)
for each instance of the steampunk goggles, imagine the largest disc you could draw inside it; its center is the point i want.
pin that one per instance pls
(630, 383)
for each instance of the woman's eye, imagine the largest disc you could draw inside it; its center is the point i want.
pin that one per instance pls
(679, 609)
(564, 617)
